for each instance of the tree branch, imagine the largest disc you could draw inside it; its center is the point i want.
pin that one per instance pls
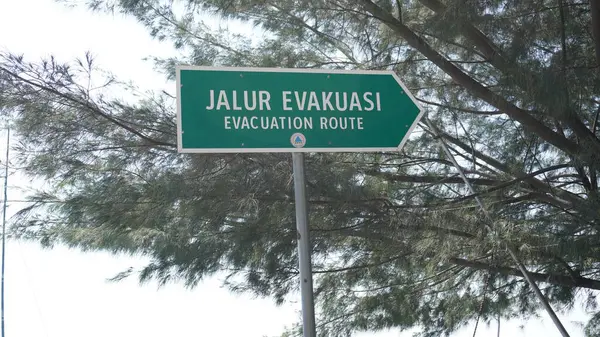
(525, 80)
(513, 182)
(593, 174)
(471, 111)
(363, 266)
(522, 116)
(543, 187)
(430, 179)
(340, 45)
(87, 105)
(595, 11)
(561, 280)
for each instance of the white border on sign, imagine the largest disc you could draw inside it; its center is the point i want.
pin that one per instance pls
(178, 69)
(291, 149)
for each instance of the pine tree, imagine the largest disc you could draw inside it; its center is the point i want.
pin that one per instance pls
(511, 86)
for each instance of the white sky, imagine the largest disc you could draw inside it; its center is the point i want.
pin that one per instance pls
(64, 293)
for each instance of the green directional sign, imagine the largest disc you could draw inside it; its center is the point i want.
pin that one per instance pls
(292, 110)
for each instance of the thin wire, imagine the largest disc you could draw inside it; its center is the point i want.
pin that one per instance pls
(511, 251)
(4, 230)
(30, 280)
(485, 286)
(498, 334)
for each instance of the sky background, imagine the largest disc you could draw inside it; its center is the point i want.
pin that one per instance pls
(65, 293)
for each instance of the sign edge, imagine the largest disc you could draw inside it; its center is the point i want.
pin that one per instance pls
(289, 150)
(178, 109)
(285, 70)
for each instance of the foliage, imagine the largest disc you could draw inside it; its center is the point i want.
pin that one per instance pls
(511, 86)
(593, 327)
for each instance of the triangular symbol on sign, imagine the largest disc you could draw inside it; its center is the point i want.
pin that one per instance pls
(298, 139)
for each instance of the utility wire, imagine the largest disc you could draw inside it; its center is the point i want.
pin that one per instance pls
(510, 250)
(4, 232)
(30, 281)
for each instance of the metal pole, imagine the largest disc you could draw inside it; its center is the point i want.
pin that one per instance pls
(511, 251)
(4, 229)
(304, 249)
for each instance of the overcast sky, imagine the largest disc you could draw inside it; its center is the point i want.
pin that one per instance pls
(64, 293)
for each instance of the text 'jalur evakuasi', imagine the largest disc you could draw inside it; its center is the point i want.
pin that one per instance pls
(294, 100)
